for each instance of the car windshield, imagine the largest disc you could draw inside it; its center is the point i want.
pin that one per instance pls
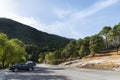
(29, 62)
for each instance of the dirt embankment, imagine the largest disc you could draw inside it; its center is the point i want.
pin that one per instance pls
(108, 61)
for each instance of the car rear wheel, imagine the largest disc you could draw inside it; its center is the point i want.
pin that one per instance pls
(30, 69)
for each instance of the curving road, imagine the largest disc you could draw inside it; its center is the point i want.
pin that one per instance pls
(46, 72)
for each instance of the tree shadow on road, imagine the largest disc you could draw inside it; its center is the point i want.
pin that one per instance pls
(36, 77)
(39, 73)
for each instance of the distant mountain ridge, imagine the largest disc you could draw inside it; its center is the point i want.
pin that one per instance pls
(31, 35)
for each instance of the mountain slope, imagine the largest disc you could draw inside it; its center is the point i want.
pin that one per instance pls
(31, 35)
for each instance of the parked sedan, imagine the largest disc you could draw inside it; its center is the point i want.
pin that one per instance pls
(17, 67)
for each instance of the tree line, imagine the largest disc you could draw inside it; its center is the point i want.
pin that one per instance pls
(11, 51)
(107, 39)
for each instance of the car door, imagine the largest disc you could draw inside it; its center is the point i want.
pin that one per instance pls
(25, 67)
(20, 66)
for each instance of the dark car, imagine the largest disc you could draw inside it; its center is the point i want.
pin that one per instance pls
(17, 67)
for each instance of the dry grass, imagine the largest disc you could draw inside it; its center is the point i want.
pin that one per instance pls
(107, 61)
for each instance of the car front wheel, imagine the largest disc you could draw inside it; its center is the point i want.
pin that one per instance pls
(15, 70)
(30, 69)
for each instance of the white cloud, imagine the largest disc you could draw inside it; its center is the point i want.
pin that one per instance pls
(78, 19)
(64, 28)
(61, 13)
(30, 21)
(92, 9)
(5, 8)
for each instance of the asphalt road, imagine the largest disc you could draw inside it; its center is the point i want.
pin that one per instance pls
(45, 72)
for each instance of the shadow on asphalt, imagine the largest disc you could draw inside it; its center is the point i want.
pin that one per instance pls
(39, 73)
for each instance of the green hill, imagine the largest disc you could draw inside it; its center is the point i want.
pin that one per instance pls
(31, 35)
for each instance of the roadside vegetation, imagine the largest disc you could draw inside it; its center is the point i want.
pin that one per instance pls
(107, 39)
(11, 51)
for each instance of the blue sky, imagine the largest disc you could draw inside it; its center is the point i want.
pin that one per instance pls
(67, 18)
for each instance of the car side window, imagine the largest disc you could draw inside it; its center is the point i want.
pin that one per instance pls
(20, 64)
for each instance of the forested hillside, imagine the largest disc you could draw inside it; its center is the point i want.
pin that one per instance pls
(36, 41)
(31, 35)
